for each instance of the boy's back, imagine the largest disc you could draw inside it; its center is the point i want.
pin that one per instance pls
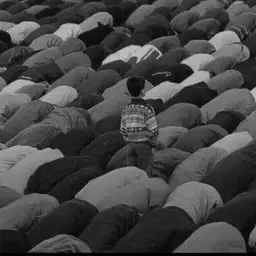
(138, 123)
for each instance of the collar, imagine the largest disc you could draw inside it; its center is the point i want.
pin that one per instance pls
(138, 101)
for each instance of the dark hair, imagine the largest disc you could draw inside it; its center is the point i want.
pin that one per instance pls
(135, 85)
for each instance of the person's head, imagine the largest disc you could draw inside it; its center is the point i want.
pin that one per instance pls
(135, 86)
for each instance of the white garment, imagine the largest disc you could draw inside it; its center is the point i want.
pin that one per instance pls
(67, 31)
(108, 185)
(146, 51)
(198, 61)
(11, 156)
(17, 177)
(197, 77)
(199, 200)
(236, 50)
(124, 54)
(4, 25)
(163, 91)
(224, 38)
(16, 85)
(60, 96)
(234, 141)
(20, 31)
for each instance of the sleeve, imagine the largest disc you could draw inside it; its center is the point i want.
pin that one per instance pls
(123, 127)
(152, 127)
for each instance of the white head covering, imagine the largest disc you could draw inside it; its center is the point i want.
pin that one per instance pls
(199, 200)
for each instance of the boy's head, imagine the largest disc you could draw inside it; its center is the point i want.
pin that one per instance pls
(135, 86)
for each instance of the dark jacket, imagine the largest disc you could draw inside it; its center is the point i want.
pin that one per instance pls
(199, 137)
(198, 94)
(233, 174)
(68, 187)
(240, 212)
(70, 218)
(113, 223)
(228, 120)
(74, 141)
(95, 36)
(104, 147)
(50, 174)
(158, 232)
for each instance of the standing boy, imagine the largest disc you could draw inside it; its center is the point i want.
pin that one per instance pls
(138, 123)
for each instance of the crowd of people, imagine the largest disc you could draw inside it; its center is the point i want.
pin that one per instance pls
(127, 126)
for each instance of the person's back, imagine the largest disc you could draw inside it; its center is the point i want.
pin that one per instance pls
(138, 123)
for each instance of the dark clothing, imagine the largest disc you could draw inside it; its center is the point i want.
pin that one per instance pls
(49, 72)
(114, 40)
(218, 14)
(48, 12)
(74, 141)
(154, 27)
(113, 224)
(96, 53)
(165, 161)
(135, 39)
(199, 137)
(250, 43)
(104, 147)
(191, 34)
(133, 154)
(198, 94)
(158, 232)
(6, 4)
(228, 120)
(107, 124)
(185, 6)
(13, 241)
(20, 17)
(12, 73)
(69, 218)
(240, 212)
(175, 73)
(95, 36)
(34, 91)
(86, 101)
(50, 174)
(233, 174)
(68, 187)
(31, 75)
(5, 38)
(117, 13)
(119, 66)
(16, 8)
(157, 105)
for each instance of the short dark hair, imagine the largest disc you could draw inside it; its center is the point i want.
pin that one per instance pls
(135, 85)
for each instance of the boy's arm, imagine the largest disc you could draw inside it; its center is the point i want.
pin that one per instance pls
(153, 129)
(123, 128)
